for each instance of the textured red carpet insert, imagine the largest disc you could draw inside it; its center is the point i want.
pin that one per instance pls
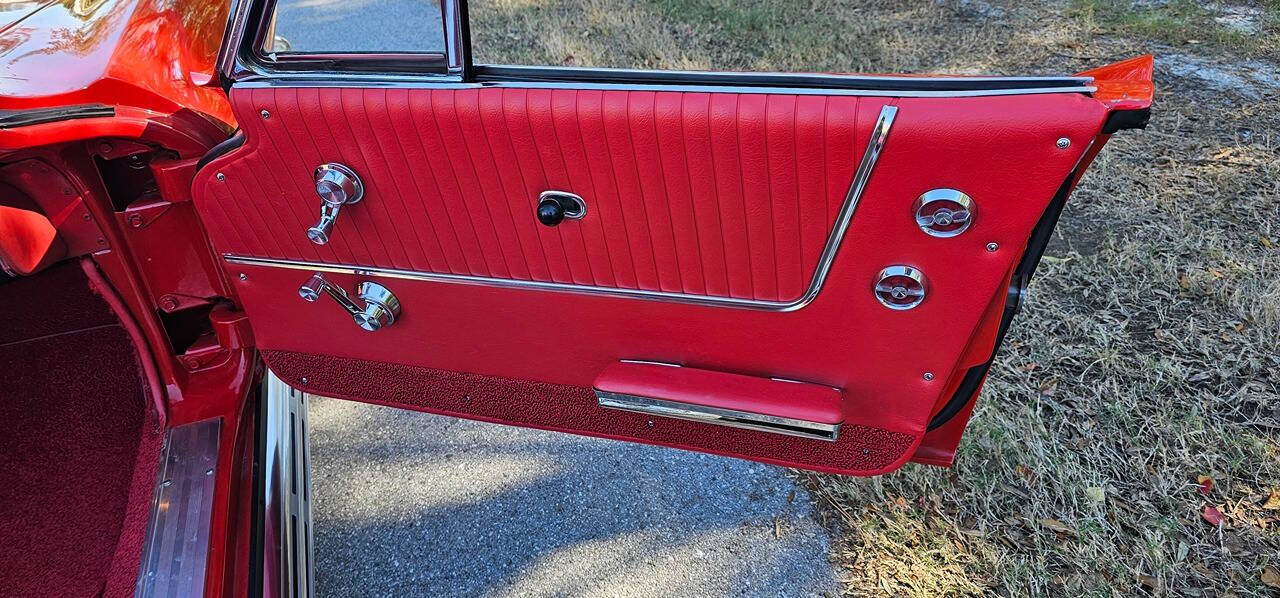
(72, 411)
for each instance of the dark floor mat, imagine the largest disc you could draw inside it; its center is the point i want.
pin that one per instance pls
(71, 416)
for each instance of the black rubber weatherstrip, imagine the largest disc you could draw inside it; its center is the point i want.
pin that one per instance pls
(38, 116)
(257, 518)
(1040, 236)
(1121, 120)
(221, 149)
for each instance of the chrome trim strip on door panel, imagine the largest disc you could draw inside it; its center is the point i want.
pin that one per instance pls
(426, 81)
(176, 550)
(716, 415)
(787, 79)
(875, 145)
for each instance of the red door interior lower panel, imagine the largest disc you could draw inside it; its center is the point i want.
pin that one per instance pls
(860, 450)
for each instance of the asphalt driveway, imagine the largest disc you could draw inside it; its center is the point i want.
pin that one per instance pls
(360, 25)
(414, 504)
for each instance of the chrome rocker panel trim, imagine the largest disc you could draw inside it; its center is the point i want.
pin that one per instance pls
(875, 145)
(715, 415)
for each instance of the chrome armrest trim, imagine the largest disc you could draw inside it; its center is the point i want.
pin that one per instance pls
(875, 145)
(732, 418)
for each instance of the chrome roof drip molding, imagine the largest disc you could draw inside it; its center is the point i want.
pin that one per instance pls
(861, 176)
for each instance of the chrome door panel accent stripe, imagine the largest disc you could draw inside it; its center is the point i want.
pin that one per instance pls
(506, 72)
(176, 549)
(304, 79)
(715, 415)
(875, 145)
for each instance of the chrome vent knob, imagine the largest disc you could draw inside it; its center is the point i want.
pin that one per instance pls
(337, 185)
(944, 212)
(900, 287)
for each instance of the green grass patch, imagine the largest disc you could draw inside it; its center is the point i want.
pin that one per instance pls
(1185, 22)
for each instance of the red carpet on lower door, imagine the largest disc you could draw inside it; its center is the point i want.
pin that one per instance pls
(71, 421)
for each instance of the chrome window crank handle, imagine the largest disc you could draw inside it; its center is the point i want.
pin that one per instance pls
(381, 307)
(337, 185)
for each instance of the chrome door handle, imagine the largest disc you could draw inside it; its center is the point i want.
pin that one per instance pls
(337, 185)
(381, 308)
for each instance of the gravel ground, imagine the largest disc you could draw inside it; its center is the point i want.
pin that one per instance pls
(361, 25)
(415, 504)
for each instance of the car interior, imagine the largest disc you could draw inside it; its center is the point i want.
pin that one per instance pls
(79, 437)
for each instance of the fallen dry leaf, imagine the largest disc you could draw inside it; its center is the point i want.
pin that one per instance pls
(1273, 501)
(1270, 577)
(1212, 515)
(1206, 484)
(1056, 526)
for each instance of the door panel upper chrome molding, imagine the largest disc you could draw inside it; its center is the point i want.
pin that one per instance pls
(504, 72)
(875, 145)
(426, 81)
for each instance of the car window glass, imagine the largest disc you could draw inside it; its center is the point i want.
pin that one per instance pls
(734, 35)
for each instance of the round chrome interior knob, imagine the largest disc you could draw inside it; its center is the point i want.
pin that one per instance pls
(900, 287)
(337, 184)
(944, 212)
(381, 307)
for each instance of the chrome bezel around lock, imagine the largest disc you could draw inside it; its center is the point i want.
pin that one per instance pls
(880, 289)
(926, 221)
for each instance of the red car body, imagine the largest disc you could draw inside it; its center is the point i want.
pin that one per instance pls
(111, 84)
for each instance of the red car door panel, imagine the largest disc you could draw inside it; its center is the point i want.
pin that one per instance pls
(685, 194)
(708, 217)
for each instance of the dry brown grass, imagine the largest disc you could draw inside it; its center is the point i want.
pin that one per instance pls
(1148, 353)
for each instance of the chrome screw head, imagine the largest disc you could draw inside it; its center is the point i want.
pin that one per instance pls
(222, 177)
(992, 246)
(244, 276)
(1063, 143)
(928, 376)
(265, 114)
(304, 379)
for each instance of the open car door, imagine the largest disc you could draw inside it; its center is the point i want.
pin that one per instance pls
(808, 270)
